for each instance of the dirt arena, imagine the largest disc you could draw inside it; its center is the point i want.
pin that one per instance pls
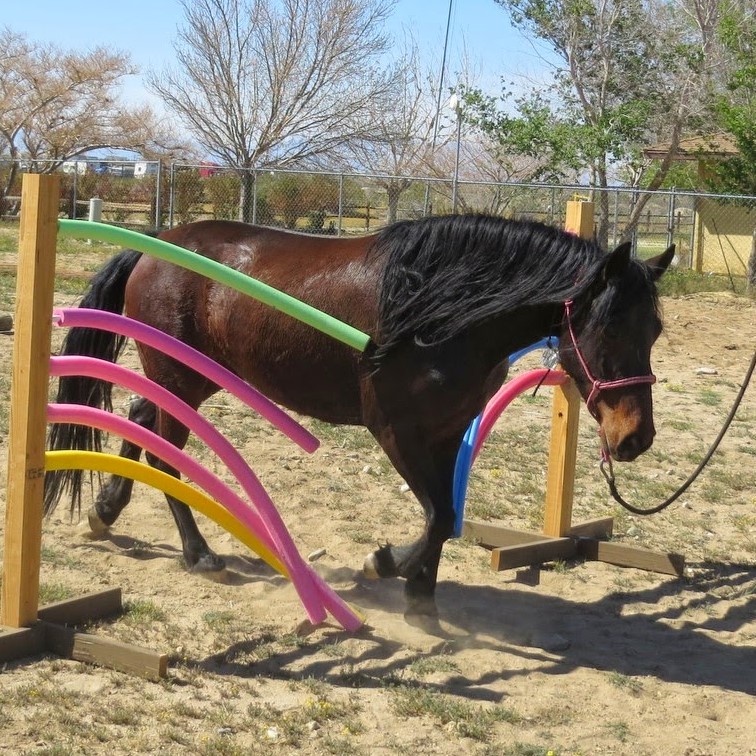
(572, 658)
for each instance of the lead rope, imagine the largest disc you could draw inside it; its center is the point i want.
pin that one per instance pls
(608, 470)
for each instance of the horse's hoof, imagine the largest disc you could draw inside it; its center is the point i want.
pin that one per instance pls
(207, 563)
(370, 567)
(96, 525)
(421, 608)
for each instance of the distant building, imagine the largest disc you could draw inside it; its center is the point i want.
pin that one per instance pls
(75, 166)
(208, 169)
(724, 232)
(144, 168)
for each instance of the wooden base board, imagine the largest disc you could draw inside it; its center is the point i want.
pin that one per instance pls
(51, 634)
(520, 548)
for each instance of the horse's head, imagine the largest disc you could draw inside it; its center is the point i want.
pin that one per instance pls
(605, 345)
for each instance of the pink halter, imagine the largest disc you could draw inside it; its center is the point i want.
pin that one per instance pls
(597, 386)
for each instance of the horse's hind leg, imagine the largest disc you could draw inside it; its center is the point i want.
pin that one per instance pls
(116, 493)
(197, 554)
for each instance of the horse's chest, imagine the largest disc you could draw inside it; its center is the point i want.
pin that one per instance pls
(433, 396)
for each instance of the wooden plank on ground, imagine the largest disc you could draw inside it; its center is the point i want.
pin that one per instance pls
(632, 556)
(603, 527)
(90, 607)
(17, 643)
(543, 550)
(104, 652)
(492, 536)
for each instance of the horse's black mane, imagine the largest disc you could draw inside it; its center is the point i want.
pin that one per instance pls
(445, 274)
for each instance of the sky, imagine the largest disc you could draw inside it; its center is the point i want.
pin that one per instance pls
(146, 29)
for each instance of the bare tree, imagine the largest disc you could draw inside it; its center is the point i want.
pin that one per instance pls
(402, 143)
(488, 168)
(264, 82)
(55, 105)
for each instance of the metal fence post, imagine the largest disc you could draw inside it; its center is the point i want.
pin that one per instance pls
(74, 192)
(671, 218)
(95, 210)
(254, 195)
(341, 203)
(692, 257)
(552, 208)
(171, 195)
(158, 193)
(634, 230)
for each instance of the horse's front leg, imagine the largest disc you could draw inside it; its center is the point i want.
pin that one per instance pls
(429, 472)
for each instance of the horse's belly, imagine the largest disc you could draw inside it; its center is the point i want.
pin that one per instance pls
(304, 371)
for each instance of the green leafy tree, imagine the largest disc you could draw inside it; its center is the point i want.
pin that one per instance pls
(223, 194)
(735, 107)
(292, 196)
(189, 194)
(626, 73)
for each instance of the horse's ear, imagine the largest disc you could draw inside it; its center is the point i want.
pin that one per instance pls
(617, 261)
(657, 265)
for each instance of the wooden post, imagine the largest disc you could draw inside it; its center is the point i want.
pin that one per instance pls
(579, 218)
(560, 481)
(25, 628)
(565, 414)
(29, 390)
(560, 539)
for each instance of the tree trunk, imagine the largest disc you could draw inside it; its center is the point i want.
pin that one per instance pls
(393, 193)
(655, 182)
(247, 196)
(394, 190)
(8, 184)
(603, 221)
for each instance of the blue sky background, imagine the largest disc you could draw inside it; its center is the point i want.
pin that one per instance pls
(146, 29)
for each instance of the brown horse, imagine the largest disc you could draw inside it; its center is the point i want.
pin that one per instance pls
(444, 300)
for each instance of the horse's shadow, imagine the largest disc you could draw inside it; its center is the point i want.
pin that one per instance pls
(636, 632)
(239, 569)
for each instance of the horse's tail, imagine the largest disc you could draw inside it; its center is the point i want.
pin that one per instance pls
(106, 292)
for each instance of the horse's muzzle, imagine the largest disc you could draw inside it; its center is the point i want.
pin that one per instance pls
(627, 426)
(632, 446)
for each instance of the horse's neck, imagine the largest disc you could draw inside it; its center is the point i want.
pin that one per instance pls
(508, 333)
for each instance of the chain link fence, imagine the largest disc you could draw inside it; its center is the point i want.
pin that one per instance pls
(131, 190)
(712, 233)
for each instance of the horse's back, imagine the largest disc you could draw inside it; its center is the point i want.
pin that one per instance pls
(289, 361)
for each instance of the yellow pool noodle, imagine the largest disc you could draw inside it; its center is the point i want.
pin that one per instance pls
(127, 468)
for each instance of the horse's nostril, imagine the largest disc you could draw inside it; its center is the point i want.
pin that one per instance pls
(633, 446)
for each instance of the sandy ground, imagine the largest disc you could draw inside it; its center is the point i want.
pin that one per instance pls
(575, 658)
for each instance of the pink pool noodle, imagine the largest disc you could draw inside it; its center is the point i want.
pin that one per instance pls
(301, 575)
(77, 413)
(81, 317)
(511, 389)
(157, 445)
